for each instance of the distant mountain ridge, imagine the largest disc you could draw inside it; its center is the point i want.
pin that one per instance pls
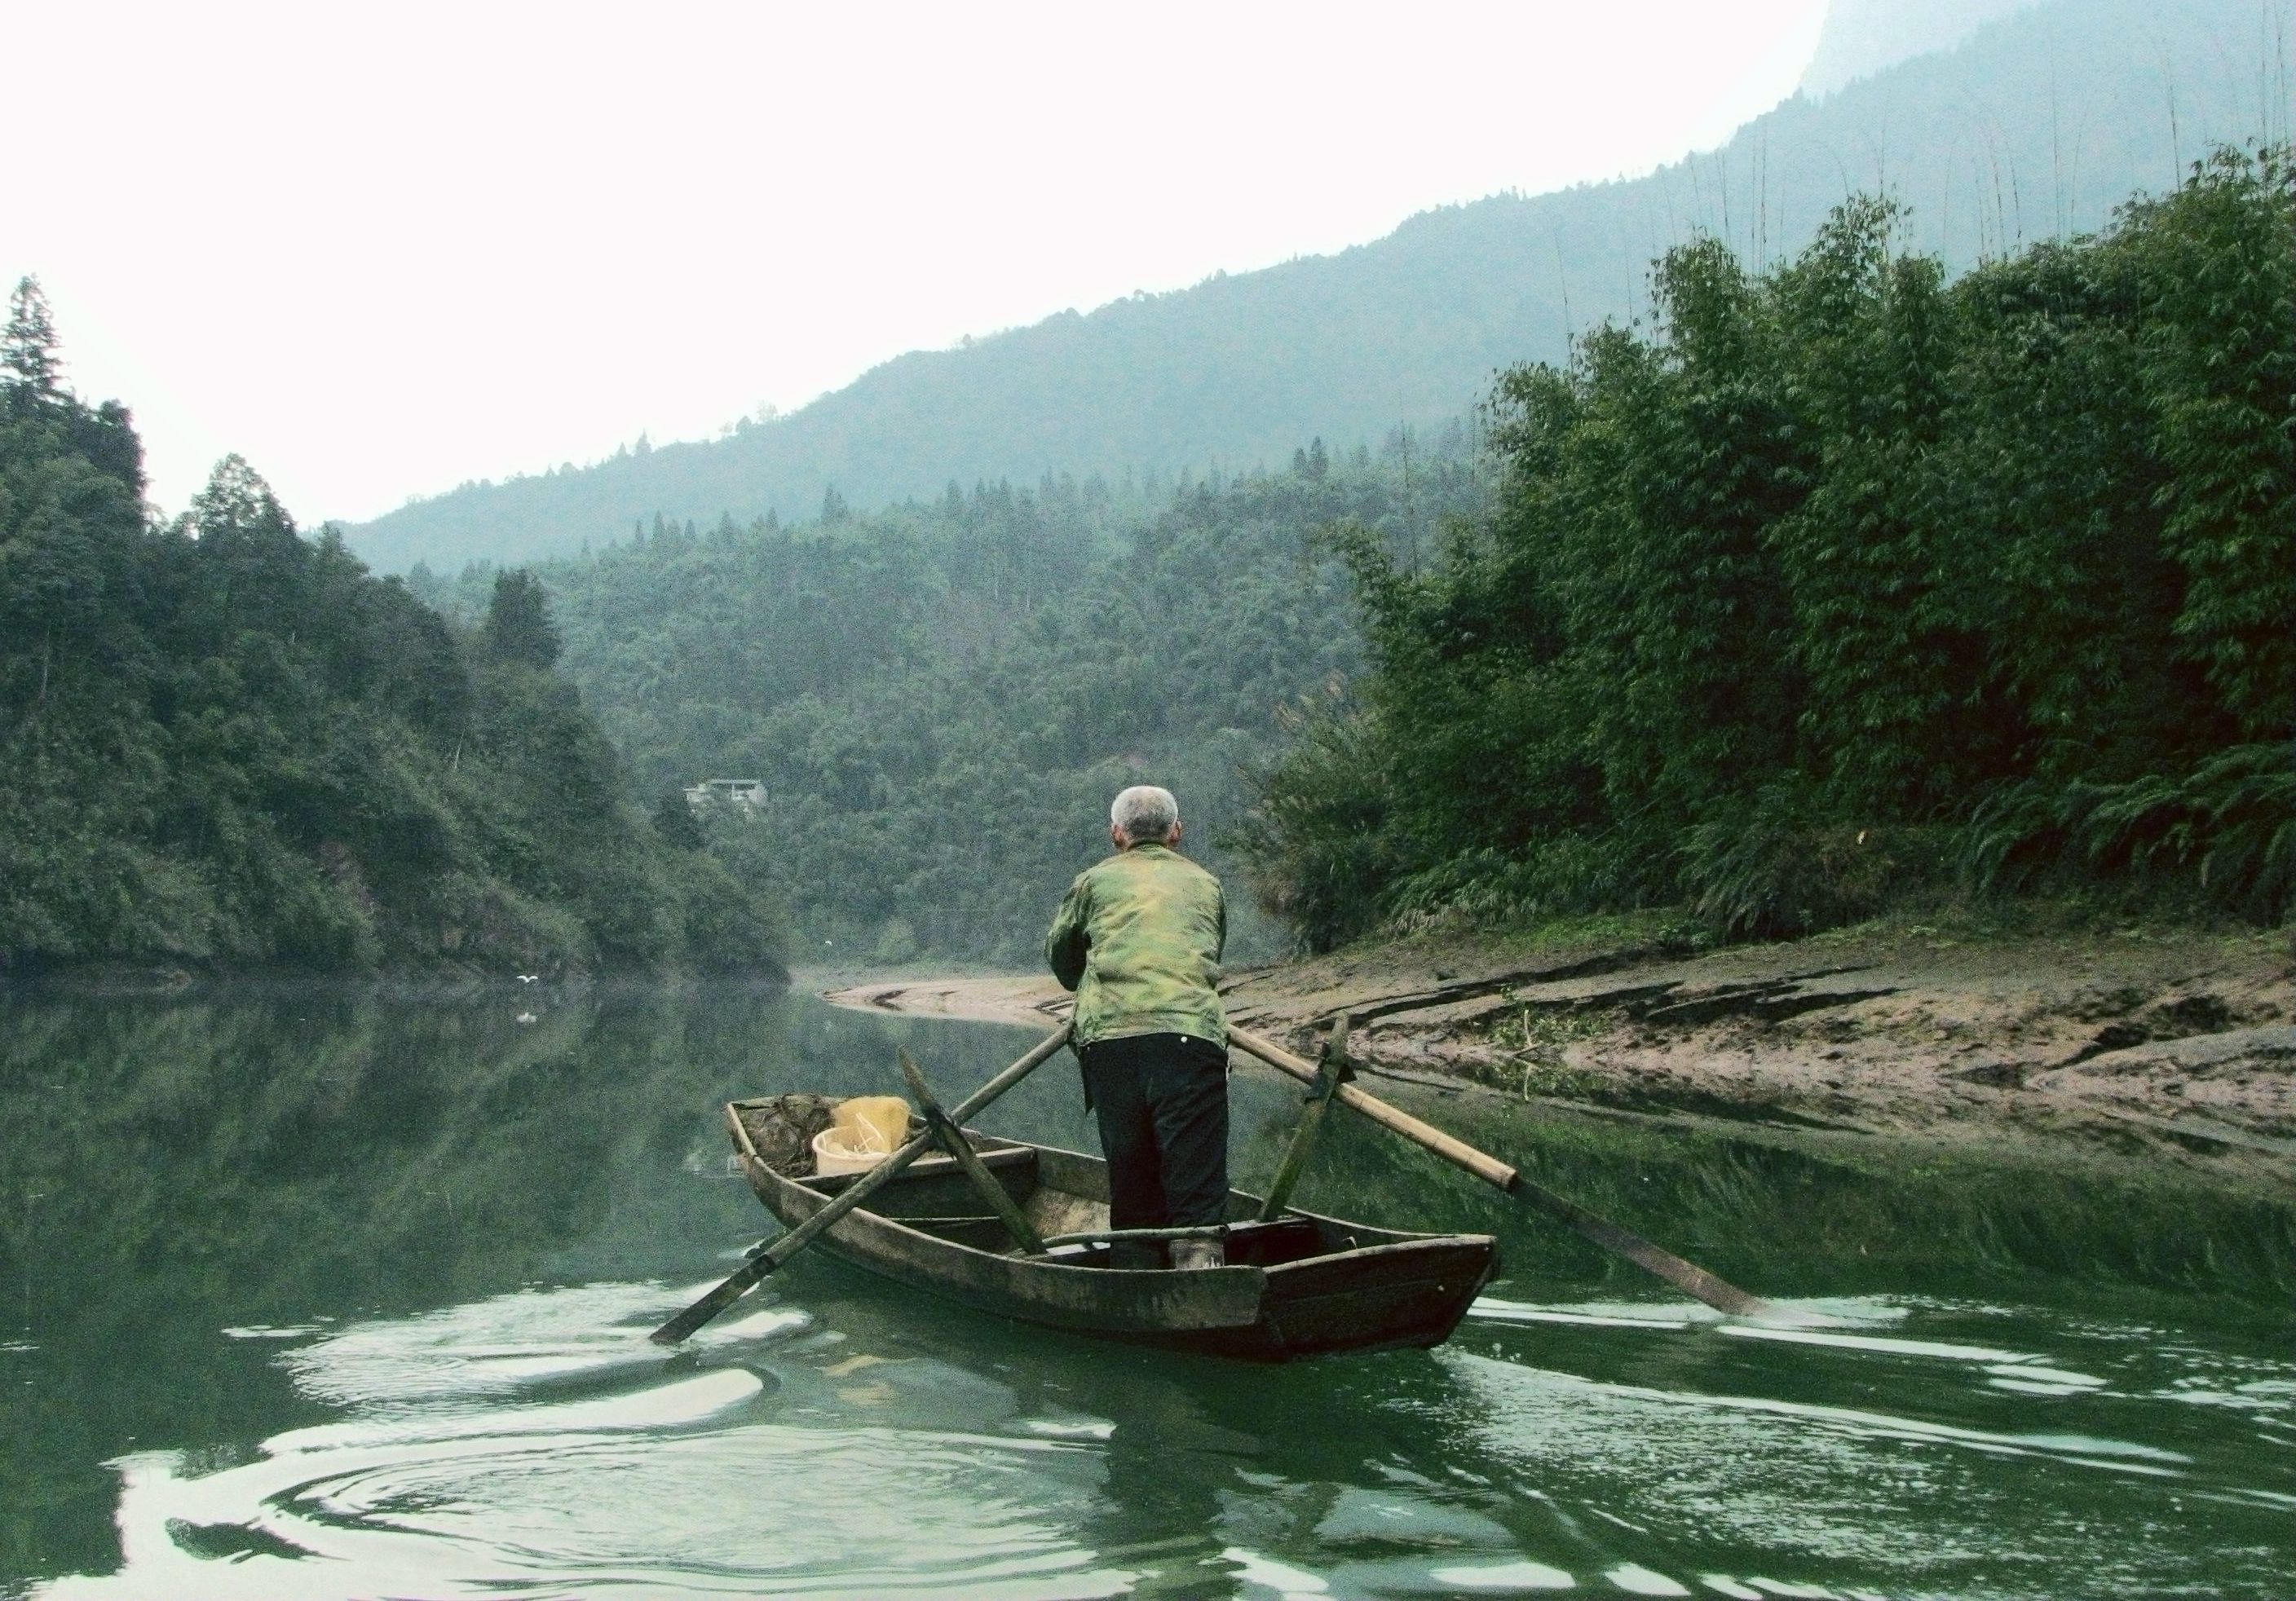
(1862, 37)
(2037, 123)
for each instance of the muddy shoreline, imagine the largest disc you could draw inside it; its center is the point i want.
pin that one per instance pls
(2170, 1053)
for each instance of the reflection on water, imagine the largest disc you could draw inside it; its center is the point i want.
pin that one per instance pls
(306, 1296)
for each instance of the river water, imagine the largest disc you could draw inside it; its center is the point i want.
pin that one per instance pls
(306, 1294)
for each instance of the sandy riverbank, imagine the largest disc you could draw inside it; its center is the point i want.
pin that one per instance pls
(2175, 1048)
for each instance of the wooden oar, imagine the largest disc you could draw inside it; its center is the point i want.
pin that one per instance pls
(1687, 1277)
(1331, 1071)
(960, 1150)
(862, 1188)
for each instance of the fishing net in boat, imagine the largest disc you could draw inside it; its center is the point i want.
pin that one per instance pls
(782, 1128)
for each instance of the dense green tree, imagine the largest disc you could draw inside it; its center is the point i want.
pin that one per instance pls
(674, 821)
(28, 347)
(225, 744)
(519, 626)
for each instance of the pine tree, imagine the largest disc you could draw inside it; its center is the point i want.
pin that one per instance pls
(518, 621)
(27, 349)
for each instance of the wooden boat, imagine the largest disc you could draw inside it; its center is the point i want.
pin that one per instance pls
(1299, 1286)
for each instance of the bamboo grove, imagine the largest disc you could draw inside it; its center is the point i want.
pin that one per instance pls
(1842, 580)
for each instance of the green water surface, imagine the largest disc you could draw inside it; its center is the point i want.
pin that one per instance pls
(309, 1294)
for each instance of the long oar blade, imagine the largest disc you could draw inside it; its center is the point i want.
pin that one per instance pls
(869, 1184)
(1687, 1277)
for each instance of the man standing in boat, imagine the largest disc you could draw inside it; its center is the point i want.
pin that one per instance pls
(1139, 939)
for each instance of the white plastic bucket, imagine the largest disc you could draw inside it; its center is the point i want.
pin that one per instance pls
(830, 1154)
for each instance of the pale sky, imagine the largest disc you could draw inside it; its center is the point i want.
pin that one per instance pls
(381, 251)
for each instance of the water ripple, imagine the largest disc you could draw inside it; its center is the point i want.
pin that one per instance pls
(536, 1444)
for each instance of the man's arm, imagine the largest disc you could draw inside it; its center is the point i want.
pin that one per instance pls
(1065, 946)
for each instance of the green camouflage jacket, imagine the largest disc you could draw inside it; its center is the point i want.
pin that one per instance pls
(1139, 941)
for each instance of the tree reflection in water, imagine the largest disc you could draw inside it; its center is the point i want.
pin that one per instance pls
(324, 1270)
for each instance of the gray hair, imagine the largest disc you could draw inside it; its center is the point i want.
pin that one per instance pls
(1144, 814)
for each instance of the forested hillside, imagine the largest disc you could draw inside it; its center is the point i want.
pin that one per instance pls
(2031, 130)
(1844, 578)
(942, 699)
(224, 745)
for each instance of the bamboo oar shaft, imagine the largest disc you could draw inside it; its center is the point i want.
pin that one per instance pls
(1457, 1152)
(1687, 1277)
(868, 1184)
(953, 1140)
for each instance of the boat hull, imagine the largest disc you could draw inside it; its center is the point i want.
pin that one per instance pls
(1309, 1286)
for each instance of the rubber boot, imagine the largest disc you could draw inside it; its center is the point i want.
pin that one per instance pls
(1199, 1254)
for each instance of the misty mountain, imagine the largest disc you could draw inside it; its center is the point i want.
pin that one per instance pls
(2035, 124)
(1861, 37)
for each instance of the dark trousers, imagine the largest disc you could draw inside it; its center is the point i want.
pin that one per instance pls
(1162, 1104)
